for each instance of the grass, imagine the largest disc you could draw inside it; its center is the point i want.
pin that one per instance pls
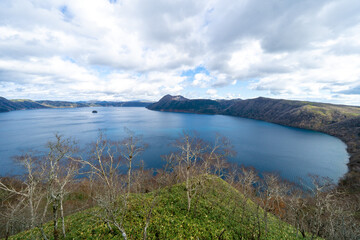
(216, 214)
(21, 100)
(332, 113)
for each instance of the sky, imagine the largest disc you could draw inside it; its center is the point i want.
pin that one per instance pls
(122, 50)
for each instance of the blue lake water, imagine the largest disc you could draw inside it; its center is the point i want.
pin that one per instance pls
(291, 152)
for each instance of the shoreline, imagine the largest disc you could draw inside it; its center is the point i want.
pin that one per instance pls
(353, 150)
(351, 177)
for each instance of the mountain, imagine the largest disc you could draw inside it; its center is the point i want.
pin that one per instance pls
(62, 104)
(338, 120)
(293, 113)
(181, 104)
(18, 104)
(6, 105)
(22, 104)
(120, 104)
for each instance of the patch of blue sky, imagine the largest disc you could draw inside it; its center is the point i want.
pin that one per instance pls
(66, 13)
(192, 72)
(69, 59)
(241, 89)
(207, 18)
(102, 71)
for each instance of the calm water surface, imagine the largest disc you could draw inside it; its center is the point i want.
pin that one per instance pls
(291, 152)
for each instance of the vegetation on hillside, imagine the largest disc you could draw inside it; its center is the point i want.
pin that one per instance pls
(217, 215)
(22, 104)
(7, 105)
(187, 199)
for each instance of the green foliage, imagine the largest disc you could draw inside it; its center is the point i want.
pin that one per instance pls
(21, 100)
(331, 112)
(216, 214)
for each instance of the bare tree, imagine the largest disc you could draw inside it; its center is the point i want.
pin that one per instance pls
(60, 172)
(321, 195)
(132, 146)
(296, 210)
(247, 179)
(11, 212)
(103, 165)
(189, 156)
(30, 193)
(195, 157)
(216, 156)
(169, 174)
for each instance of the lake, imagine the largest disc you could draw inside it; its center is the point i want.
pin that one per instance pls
(268, 147)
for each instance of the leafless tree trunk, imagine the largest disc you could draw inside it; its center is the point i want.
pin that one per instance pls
(132, 147)
(10, 214)
(149, 215)
(31, 192)
(247, 179)
(197, 157)
(61, 171)
(216, 157)
(189, 156)
(104, 164)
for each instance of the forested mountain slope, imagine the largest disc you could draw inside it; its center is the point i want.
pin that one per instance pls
(7, 105)
(23, 104)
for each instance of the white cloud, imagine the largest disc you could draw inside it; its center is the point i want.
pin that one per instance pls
(136, 49)
(212, 93)
(201, 80)
(232, 96)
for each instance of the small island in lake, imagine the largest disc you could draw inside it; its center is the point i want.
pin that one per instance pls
(94, 111)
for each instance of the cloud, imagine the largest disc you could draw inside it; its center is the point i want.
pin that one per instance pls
(212, 93)
(201, 80)
(136, 49)
(352, 91)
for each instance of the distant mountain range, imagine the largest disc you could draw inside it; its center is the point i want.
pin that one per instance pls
(338, 120)
(22, 104)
